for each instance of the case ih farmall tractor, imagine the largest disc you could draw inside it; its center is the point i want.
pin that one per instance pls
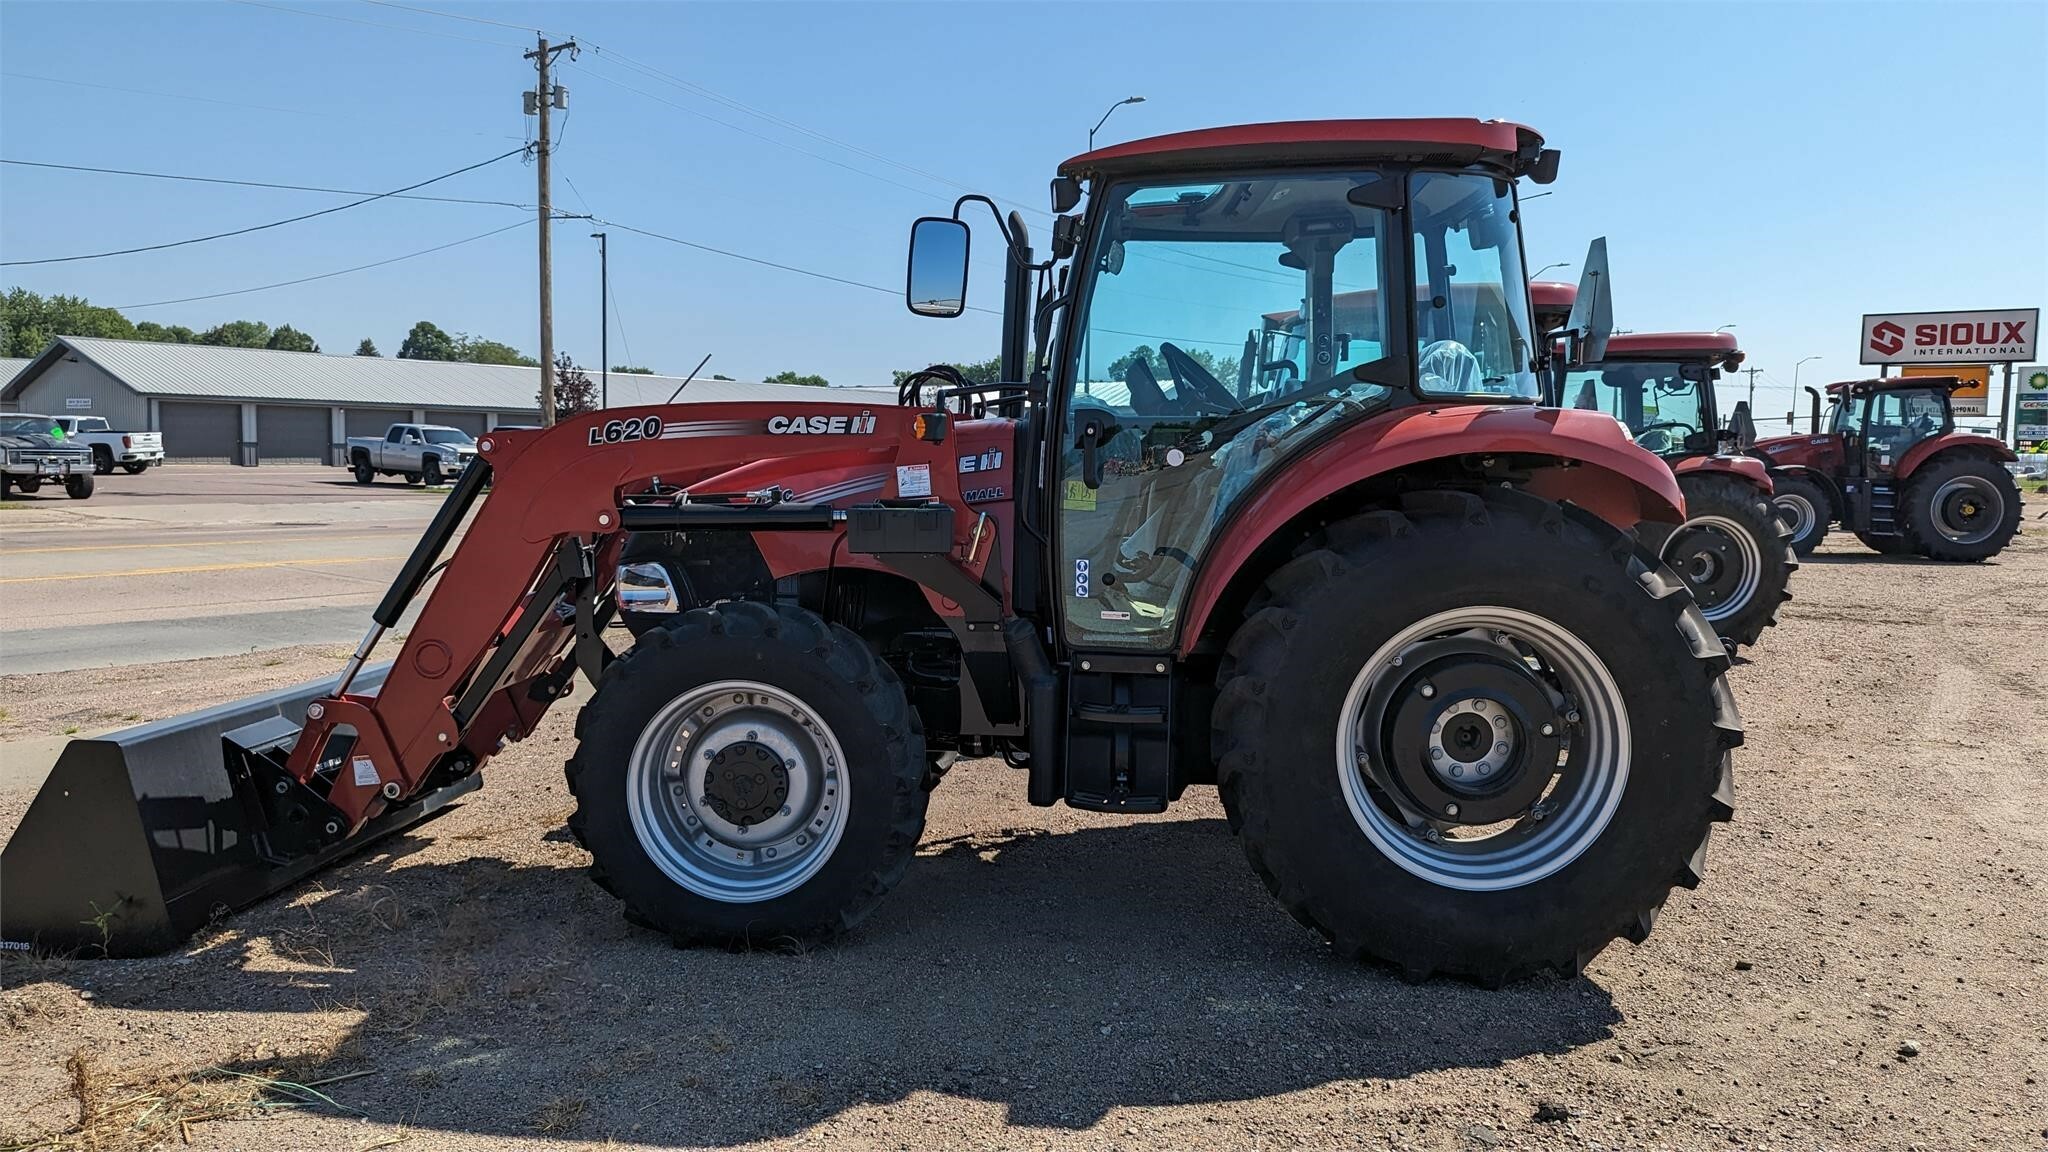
(1731, 550)
(1463, 719)
(1889, 465)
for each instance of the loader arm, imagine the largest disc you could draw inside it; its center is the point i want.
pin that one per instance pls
(522, 597)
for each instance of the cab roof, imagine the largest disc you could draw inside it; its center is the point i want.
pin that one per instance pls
(1646, 345)
(1438, 140)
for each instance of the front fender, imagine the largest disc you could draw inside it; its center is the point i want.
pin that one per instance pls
(1747, 468)
(1595, 463)
(1927, 449)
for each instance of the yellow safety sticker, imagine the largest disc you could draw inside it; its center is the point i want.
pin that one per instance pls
(1076, 496)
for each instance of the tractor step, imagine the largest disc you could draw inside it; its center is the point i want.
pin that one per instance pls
(1884, 512)
(1120, 733)
(141, 837)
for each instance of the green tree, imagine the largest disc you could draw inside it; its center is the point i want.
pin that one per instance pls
(290, 339)
(574, 393)
(632, 371)
(477, 350)
(987, 371)
(812, 381)
(427, 342)
(367, 348)
(28, 321)
(238, 334)
(165, 333)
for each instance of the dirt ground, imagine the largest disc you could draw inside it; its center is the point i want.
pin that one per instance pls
(1863, 969)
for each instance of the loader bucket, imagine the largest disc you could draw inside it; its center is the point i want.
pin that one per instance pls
(138, 838)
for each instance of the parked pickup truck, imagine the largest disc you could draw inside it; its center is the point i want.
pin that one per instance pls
(422, 453)
(31, 453)
(133, 451)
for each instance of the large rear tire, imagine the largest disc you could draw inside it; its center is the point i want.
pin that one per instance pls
(1888, 545)
(1732, 554)
(749, 774)
(1356, 704)
(1805, 508)
(1961, 508)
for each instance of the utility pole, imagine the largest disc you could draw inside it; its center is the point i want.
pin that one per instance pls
(1752, 387)
(604, 323)
(538, 102)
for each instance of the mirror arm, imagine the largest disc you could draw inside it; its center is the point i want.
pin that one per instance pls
(1019, 248)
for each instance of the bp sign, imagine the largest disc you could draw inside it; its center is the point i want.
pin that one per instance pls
(2030, 424)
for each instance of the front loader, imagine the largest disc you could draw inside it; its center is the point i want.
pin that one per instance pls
(1397, 612)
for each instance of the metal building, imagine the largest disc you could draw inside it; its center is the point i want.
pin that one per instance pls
(253, 406)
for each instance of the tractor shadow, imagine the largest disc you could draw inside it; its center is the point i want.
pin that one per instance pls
(1059, 974)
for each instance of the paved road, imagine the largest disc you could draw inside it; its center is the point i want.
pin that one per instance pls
(194, 561)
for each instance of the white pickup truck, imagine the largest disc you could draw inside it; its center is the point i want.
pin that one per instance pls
(422, 453)
(132, 451)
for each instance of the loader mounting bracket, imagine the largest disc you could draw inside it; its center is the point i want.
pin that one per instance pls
(287, 819)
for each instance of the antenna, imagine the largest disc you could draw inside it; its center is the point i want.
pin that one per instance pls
(692, 376)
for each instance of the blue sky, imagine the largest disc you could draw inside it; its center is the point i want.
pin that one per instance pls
(1783, 168)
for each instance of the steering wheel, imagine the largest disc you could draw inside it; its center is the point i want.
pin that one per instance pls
(1661, 427)
(1200, 393)
(1448, 366)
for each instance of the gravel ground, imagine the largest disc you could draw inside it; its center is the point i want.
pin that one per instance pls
(1863, 968)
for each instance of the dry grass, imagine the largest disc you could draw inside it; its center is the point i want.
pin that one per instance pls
(560, 1115)
(119, 1109)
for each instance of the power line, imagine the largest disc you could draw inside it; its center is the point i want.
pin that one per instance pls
(327, 275)
(226, 103)
(262, 227)
(262, 184)
(377, 24)
(453, 16)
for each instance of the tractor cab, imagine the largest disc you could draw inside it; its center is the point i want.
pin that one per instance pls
(1661, 387)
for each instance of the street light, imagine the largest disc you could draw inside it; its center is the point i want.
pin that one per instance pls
(604, 323)
(1105, 117)
(1088, 345)
(1548, 267)
(1725, 327)
(1795, 378)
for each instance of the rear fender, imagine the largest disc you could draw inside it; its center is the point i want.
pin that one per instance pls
(1584, 457)
(1746, 468)
(1817, 476)
(1954, 442)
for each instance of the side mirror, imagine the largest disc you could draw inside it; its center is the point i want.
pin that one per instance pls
(1066, 192)
(1544, 170)
(1592, 318)
(936, 283)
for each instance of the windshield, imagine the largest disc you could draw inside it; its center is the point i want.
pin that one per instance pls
(448, 436)
(25, 425)
(1661, 403)
(1472, 304)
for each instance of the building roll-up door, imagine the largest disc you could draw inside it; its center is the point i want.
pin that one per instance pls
(292, 434)
(196, 433)
(374, 421)
(470, 422)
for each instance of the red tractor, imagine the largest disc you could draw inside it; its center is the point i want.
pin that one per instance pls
(1888, 464)
(1395, 611)
(1731, 549)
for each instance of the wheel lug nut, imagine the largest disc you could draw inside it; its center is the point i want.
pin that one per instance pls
(1550, 729)
(1501, 747)
(1572, 717)
(1428, 690)
(1457, 769)
(1484, 767)
(1500, 721)
(1450, 809)
(1436, 753)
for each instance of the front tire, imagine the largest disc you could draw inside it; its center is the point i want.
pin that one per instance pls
(78, 486)
(749, 774)
(1359, 687)
(430, 473)
(1805, 509)
(1732, 554)
(1961, 508)
(29, 485)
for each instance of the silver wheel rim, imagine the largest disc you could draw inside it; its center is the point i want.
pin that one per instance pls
(1747, 553)
(1797, 513)
(698, 839)
(1572, 813)
(1977, 530)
